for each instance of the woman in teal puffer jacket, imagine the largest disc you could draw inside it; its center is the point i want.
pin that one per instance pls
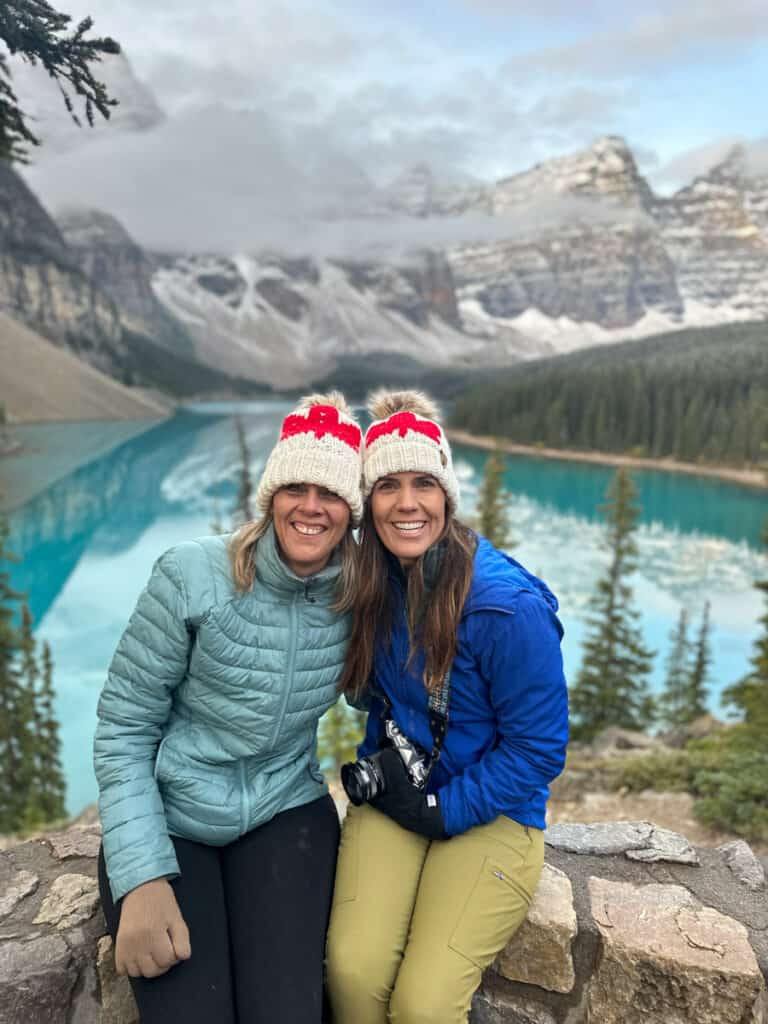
(219, 836)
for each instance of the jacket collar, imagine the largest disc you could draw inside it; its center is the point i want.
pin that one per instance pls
(272, 571)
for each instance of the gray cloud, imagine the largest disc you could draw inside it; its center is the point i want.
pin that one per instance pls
(692, 163)
(278, 110)
(698, 161)
(564, 9)
(579, 106)
(702, 31)
(219, 180)
(756, 157)
(397, 239)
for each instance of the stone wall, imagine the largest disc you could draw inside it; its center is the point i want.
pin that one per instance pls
(630, 924)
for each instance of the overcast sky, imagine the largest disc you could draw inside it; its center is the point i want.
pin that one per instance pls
(279, 92)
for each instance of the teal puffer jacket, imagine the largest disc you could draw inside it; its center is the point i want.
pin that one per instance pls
(208, 719)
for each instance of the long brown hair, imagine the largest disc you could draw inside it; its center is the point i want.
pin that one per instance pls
(242, 554)
(433, 617)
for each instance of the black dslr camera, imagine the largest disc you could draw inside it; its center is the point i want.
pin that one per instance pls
(363, 780)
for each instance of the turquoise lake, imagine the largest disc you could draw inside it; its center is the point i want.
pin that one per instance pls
(91, 506)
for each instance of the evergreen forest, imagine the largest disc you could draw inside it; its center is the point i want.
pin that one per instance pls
(696, 395)
(32, 789)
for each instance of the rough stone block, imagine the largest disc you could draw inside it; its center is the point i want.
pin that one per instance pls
(744, 864)
(20, 885)
(665, 959)
(71, 900)
(508, 1009)
(36, 980)
(637, 840)
(117, 1003)
(540, 951)
(77, 842)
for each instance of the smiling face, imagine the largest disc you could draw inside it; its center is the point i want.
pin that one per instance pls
(408, 512)
(309, 522)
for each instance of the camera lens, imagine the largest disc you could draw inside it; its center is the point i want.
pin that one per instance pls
(353, 781)
(362, 780)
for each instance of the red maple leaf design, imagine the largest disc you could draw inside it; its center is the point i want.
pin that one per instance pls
(322, 420)
(400, 423)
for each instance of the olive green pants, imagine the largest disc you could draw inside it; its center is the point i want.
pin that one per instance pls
(414, 922)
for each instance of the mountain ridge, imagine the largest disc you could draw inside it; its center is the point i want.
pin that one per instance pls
(592, 255)
(573, 252)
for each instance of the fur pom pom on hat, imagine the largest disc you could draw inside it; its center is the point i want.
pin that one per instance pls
(319, 444)
(405, 437)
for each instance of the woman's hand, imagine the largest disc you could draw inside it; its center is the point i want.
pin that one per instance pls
(152, 936)
(405, 804)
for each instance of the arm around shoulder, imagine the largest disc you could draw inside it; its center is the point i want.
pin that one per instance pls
(150, 661)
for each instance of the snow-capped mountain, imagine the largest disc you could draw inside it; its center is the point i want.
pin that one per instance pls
(716, 232)
(577, 251)
(605, 171)
(288, 321)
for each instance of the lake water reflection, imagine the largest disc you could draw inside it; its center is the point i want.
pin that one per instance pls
(89, 538)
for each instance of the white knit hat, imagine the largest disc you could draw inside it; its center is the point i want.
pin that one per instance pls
(319, 444)
(405, 437)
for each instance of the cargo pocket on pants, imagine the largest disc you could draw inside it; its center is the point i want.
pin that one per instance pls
(491, 915)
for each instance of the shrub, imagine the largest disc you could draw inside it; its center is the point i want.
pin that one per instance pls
(732, 788)
(727, 774)
(667, 772)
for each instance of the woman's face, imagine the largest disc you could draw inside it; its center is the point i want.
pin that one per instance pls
(309, 522)
(408, 512)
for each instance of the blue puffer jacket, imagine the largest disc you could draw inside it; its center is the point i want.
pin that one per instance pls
(208, 719)
(508, 712)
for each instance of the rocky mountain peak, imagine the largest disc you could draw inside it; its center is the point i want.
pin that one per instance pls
(41, 284)
(82, 226)
(24, 221)
(606, 170)
(731, 170)
(111, 259)
(413, 191)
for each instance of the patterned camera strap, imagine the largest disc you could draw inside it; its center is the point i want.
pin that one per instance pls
(438, 719)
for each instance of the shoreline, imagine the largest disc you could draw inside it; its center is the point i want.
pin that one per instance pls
(753, 478)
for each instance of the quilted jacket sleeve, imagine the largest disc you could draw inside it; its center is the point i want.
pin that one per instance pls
(150, 660)
(519, 655)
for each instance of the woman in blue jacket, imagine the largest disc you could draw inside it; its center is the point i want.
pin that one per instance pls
(459, 647)
(219, 836)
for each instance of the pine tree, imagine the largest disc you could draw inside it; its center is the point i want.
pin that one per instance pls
(27, 727)
(612, 685)
(492, 503)
(51, 786)
(340, 731)
(243, 508)
(750, 695)
(41, 35)
(699, 669)
(674, 699)
(32, 785)
(11, 685)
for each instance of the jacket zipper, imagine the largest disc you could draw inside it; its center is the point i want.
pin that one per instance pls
(292, 632)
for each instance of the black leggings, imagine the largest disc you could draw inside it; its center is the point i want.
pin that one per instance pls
(257, 912)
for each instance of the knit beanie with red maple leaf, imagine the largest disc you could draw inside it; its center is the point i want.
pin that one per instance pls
(319, 444)
(406, 437)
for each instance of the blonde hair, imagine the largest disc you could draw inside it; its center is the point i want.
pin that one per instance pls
(242, 555)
